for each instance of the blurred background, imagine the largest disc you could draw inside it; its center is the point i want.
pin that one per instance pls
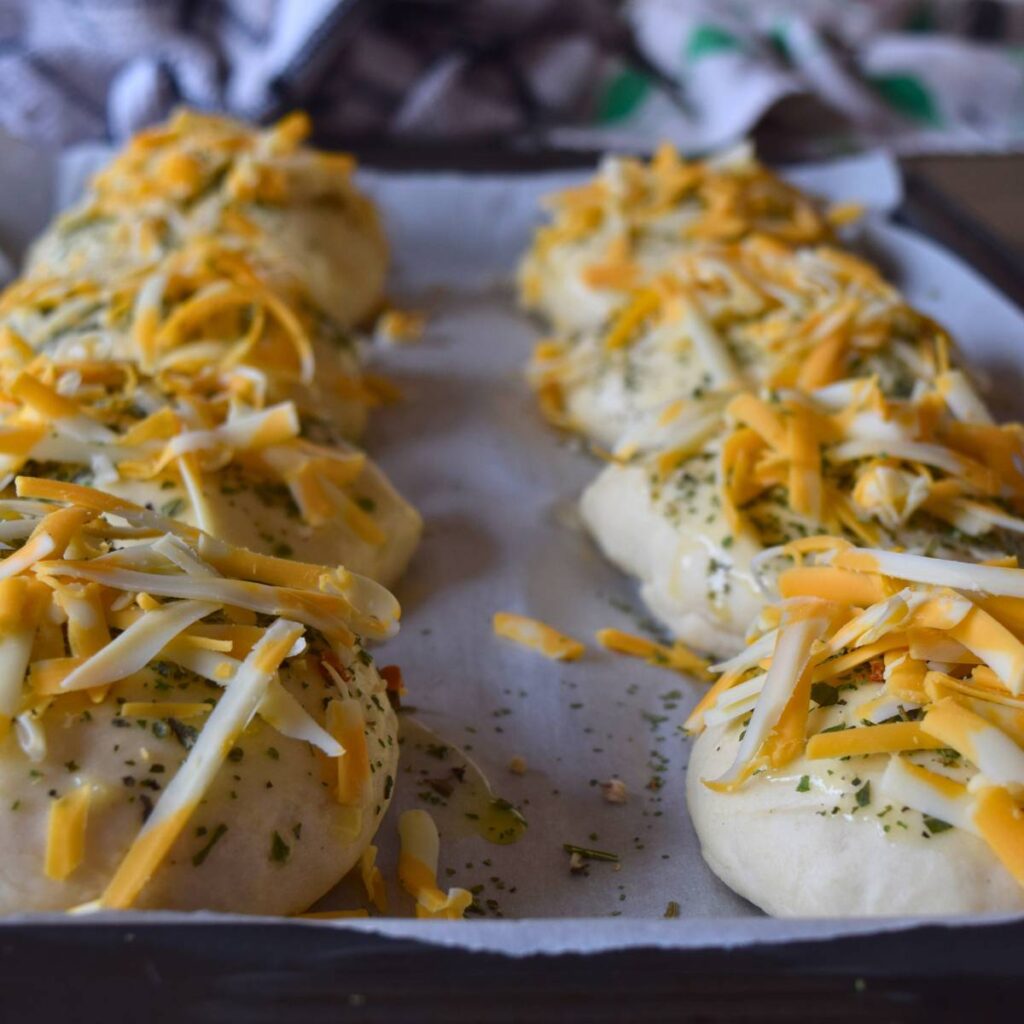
(509, 83)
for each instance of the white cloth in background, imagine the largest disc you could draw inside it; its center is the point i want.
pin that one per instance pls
(817, 76)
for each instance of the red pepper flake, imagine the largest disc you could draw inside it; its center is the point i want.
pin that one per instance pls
(876, 670)
(330, 658)
(395, 684)
(392, 676)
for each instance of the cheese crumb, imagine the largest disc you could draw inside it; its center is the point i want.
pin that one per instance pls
(615, 791)
(841, 214)
(517, 766)
(400, 327)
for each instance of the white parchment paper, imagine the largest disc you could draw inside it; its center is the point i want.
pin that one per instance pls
(497, 489)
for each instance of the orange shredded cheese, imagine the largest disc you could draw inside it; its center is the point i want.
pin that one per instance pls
(537, 635)
(677, 656)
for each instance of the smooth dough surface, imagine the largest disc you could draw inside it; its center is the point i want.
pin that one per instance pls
(606, 394)
(786, 852)
(276, 785)
(702, 603)
(339, 252)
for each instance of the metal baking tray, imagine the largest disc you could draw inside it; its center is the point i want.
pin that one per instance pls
(79, 970)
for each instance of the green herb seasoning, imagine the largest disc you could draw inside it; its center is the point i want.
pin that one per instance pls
(824, 694)
(204, 852)
(588, 853)
(172, 508)
(280, 851)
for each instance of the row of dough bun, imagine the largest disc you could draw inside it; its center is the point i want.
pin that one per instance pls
(195, 552)
(766, 403)
(199, 304)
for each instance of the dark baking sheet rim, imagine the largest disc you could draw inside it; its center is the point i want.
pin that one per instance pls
(231, 971)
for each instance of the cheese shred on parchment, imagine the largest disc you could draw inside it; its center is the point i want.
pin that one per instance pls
(537, 635)
(417, 869)
(676, 656)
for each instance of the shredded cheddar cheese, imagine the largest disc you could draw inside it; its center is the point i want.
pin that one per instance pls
(400, 327)
(712, 312)
(417, 869)
(804, 433)
(212, 417)
(907, 615)
(65, 840)
(537, 635)
(122, 603)
(676, 656)
(167, 341)
(373, 880)
(182, 795)
(617, 214)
